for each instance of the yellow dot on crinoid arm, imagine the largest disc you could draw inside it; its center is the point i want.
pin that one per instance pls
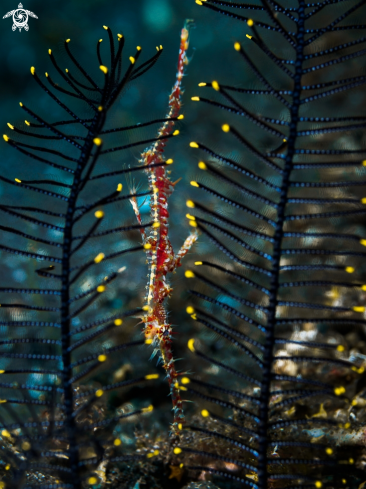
(358, 309)
(190, 310)
(189, 274)
(99, 258)
(225, 127)
(191, 344)
(349, 269)
(118, 322)
(99, 214)
(151, 376)
(215, 85)
(193, 144)
(190, 204)
(250, 22)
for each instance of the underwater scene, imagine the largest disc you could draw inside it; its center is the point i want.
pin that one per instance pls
(182, 244)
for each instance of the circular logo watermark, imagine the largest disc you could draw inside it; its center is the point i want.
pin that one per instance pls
(20, 18)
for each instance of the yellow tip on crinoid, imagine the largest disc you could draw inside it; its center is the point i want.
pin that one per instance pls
(178, 450)
(99, 258)
(105, 27)
(189, 274)
(170, 161)
(151, 376)
(92, 480)
(180, 117)
(132, 60)
(119, 187)
(202, 84)
(202, 165)
(102, 358)
(185, 380)
(148, 409)
(237, 46)
(358, 309)
(99, 214)
(248, 36)
(176, 132)
(97, 141)
(190, 310)
(5, 137)
(193, 144)
(205, 413)
(147, 246)
(195, 99)
(99, 393)
(190, 204)
(100, 288)
(349, 269)
(32, 70)
(250, 22)
(194, 183)
(191, 344)
(215, 86)
(104, 69)
(10, 125)
(225, 127)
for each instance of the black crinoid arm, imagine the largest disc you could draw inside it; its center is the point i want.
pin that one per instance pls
(66, 354)
(278, 293)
